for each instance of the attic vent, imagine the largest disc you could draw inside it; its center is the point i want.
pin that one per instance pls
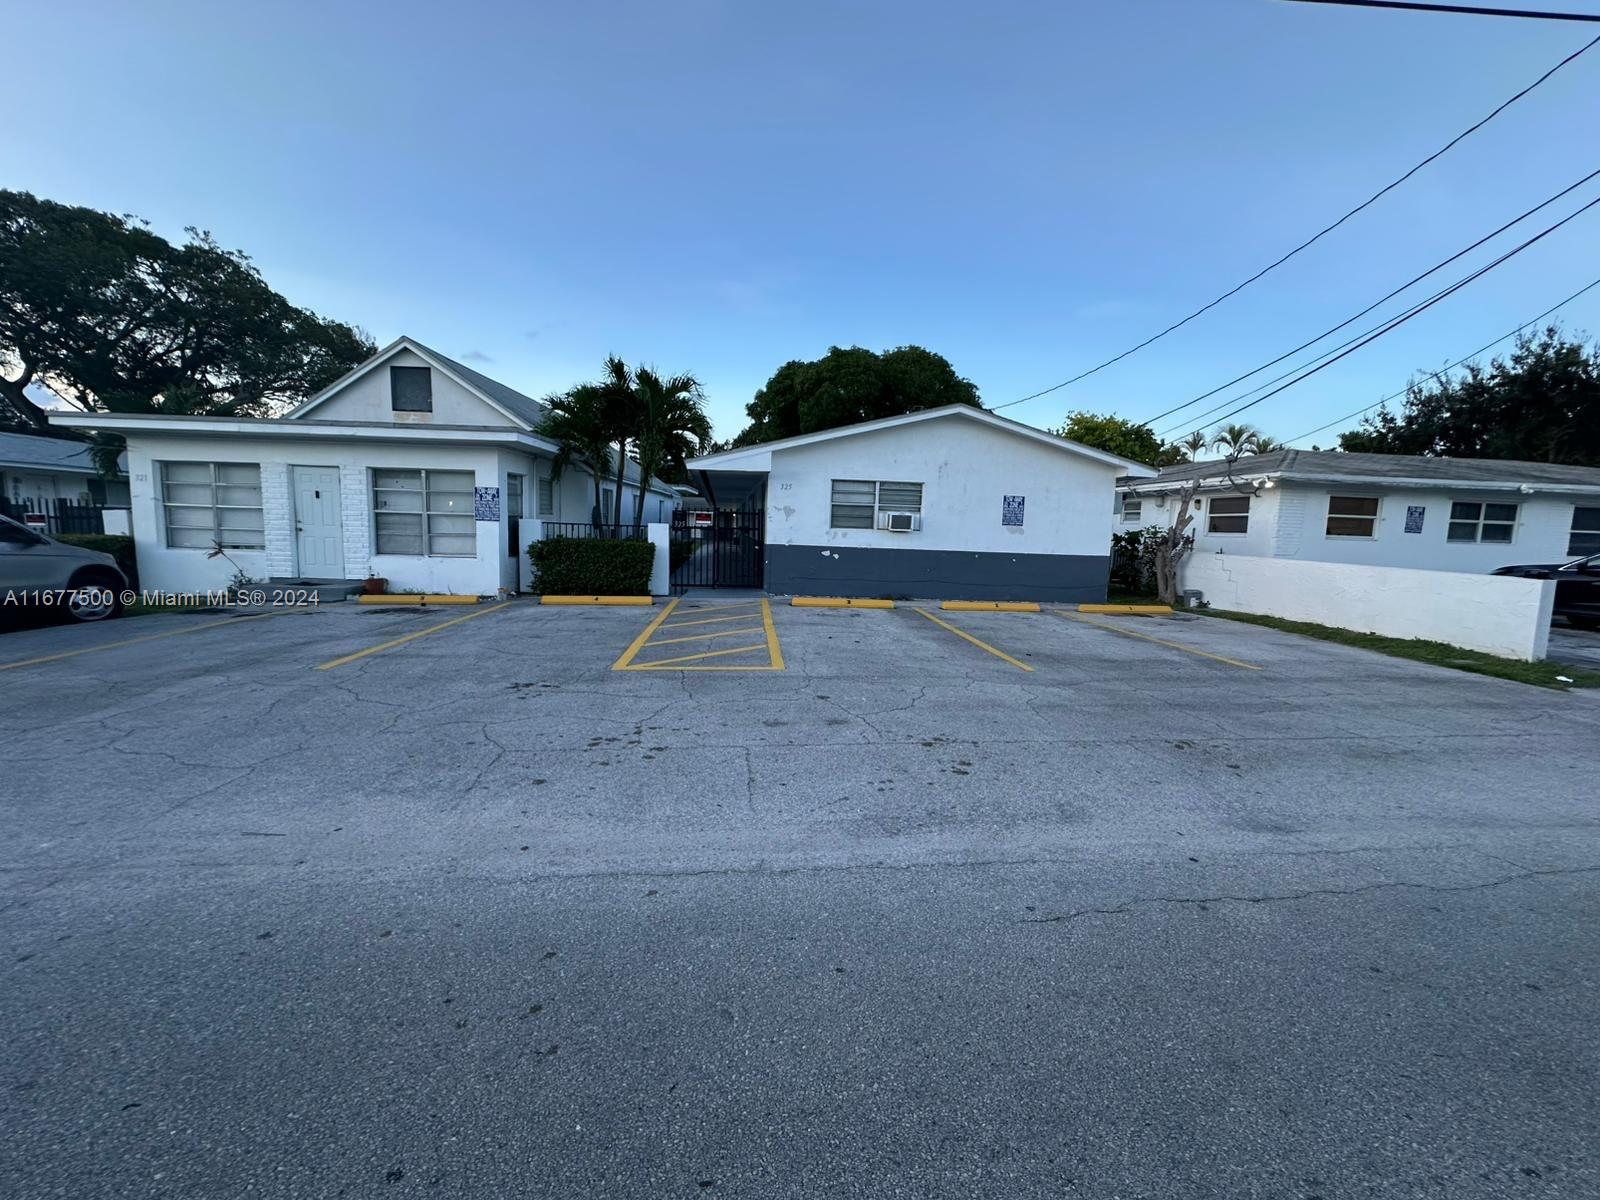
(411, 389)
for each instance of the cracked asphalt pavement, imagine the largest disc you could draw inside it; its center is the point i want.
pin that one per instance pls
(479, 917)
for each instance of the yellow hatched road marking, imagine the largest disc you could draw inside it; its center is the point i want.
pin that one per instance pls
(410, 637)
(647, 638)
(960, 633)
(749, 616)
(662, 662)
(1232, 662)
(149, 637)
(705, 637)
(644, 636)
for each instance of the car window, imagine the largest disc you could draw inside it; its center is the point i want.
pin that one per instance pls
(17, 535)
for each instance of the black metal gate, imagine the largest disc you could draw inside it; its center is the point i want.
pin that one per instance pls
(720, 549)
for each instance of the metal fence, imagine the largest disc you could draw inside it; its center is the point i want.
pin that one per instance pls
(587, 529)
(60, 516)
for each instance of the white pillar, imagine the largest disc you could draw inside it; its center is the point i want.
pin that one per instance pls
(661, 573)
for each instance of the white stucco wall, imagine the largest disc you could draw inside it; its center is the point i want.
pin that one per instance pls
(367, 399)
(1290, 521)
(176, 569)
(966, 470)
(1495, 614)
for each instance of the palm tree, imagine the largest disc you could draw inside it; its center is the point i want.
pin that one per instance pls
(1193, 445)
(620, 407)
(1235, 440)
(580, 422)
(672, 425)
(1265, 444)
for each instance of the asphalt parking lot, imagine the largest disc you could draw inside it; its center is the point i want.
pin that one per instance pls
(899, 903)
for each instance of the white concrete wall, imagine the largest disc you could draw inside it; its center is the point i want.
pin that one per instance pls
(1291, 520)
(1496, 614)
(368, 399)
(176, 569)
(965, 470)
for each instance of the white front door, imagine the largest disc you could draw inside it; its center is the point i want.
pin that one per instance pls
(318, 533)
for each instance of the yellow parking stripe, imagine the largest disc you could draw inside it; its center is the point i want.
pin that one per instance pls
(644, 636)
(774, 651)
(706, 637)
(149, 637)
(411, 637)
(1232, 662)
(979, 644)
(662, 662)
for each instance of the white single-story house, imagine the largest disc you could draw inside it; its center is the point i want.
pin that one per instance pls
(413, 468)
(36, 471)
(1440, 514)
(946, 503)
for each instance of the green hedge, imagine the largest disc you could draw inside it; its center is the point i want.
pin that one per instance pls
(565, 566)
(117, 545)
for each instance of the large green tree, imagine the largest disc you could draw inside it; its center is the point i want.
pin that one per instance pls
(1540, 403)
(1114, 435)
(112, 317)
(846, 386)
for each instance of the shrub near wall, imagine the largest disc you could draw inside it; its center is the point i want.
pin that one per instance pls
(565, 566)
(117, 545)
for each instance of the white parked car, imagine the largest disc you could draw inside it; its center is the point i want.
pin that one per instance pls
(37, 572)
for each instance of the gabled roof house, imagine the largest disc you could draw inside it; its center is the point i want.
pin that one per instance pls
(413, 467)
(945, 503)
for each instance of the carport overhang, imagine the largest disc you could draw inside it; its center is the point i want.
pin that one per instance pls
(734, 489)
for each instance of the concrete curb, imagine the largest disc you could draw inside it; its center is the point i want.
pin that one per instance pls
(837, 602)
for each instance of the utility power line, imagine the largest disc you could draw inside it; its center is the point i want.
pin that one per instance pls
(1417, 310)
(1439, 374)
(1415, 279)
(1381, 192)
(1469, 10)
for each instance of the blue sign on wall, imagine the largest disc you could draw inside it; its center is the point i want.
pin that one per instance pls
(486, 503)
(1011, 510)
(1414, 515)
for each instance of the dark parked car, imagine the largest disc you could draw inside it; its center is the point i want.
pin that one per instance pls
(1577, 587)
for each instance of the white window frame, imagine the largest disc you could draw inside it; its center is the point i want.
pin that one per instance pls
(1331, 516)
(1480, 521)
(1591, 530)
(878, 506)
(1212, 515)
(227, 539)
(1132, 509)
(426, 514)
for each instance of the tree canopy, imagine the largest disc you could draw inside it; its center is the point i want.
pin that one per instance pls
(1114, 435)
(846, 386)
(1541, 403)
(112, 317)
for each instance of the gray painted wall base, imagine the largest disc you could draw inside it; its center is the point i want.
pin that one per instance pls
(936, 574)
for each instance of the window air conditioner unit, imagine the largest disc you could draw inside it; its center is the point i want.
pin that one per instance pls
(902, 522)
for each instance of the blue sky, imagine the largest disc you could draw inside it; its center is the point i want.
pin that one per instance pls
(720, 187)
